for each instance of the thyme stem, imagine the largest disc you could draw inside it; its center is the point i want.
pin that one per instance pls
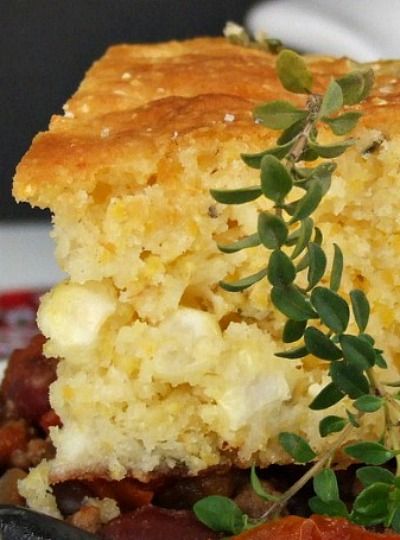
(313, 106)
(390, 404)
(375, 385)
(318, 466)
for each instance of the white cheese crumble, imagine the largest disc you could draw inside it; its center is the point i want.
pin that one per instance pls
(72, 314)
(241, 403)
(229, 117)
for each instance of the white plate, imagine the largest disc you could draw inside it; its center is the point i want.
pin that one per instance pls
(365, 30)
(27, 257)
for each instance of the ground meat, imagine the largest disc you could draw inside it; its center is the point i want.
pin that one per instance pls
(87, 518)
(8, 487)
(152, 523)
(25, 386)
(36, 449)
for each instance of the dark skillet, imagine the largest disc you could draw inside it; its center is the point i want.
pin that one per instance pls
(18, 523)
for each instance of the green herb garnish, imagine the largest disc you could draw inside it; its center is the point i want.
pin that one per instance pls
(317, 314)
(237, 35)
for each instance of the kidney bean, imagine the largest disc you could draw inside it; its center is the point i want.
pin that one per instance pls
(69, 496)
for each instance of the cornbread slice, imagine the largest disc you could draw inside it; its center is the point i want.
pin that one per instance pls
(160, 368)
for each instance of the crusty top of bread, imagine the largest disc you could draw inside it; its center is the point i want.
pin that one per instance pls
(139, 96)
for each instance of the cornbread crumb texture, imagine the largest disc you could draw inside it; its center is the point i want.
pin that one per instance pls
(37, 490)
(160, 367)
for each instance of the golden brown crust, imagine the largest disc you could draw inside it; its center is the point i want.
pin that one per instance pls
(141, 96)
(69, 155)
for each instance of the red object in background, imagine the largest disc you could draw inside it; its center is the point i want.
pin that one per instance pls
(17, 319)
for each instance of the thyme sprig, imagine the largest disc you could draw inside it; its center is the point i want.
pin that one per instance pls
(237, 35)
(317, 315)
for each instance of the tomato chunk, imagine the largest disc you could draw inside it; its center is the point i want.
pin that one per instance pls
(313, 528)
(128, 493)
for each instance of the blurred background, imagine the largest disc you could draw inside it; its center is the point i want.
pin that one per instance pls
(45, 48)
(47, 45)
